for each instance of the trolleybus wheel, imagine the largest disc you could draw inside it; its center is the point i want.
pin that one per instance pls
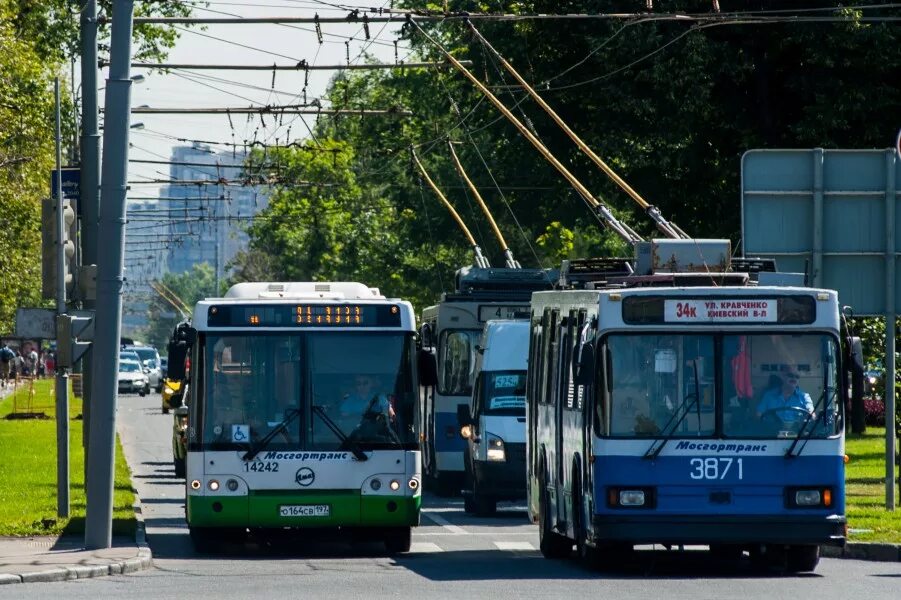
(551, 544)
(399, 540)
(484, 506)
(204, 539)
(727, 551)
(469, 505)
(802, 558)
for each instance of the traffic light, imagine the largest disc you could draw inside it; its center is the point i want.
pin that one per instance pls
(49, 250)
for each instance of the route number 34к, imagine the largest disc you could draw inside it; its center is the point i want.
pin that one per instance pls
(715, 468)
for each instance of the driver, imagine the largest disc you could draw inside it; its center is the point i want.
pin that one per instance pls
(787, 395)
(366, 397)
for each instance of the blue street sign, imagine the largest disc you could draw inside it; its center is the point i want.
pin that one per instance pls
(71, 186)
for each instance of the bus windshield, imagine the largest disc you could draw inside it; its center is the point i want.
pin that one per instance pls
(756, 385)
(361, 382)
(504, 393)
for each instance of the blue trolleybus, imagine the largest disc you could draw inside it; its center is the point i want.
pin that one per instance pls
(450, 333)
(695, 409)
(303, 401)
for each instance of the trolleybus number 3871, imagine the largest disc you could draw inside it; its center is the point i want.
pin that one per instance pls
(714, 468)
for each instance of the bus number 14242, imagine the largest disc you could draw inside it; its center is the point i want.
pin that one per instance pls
(714, 468)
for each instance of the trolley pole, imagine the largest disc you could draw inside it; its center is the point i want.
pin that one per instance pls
(110, 267)
(62, 378)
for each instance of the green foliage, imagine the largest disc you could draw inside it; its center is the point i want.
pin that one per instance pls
(189, 288)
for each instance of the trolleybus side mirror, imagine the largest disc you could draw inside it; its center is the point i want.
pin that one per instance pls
(427, 367)
(856, 368)
(585, 368)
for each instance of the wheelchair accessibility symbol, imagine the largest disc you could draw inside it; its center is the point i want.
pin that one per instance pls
(240, 433)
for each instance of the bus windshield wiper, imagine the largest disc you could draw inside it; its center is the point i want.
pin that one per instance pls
(345, 441)
(292, 413)
(670, 428)
(801, 433)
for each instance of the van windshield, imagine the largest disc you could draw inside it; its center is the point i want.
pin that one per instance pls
(504, 393)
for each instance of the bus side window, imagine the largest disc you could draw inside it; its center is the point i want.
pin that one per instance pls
(551, 358)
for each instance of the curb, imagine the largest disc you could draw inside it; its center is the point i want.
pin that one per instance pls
(864, 551)
(144, 560)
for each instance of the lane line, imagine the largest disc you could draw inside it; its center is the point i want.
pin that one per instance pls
(514, 546)
(439, 520)
(423, 547)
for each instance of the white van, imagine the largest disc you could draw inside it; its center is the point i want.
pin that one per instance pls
(494, 423)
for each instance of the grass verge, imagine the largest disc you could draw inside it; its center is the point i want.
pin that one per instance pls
(865, 490)
(28, 469)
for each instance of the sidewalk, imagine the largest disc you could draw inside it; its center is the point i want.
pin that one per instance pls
(26, 560)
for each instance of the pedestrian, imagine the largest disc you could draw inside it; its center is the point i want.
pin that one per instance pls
(19, 365)
(32, 362)
(6, 360)
(50, 364)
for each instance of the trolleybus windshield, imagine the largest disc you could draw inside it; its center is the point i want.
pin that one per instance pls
(696, 385)
(362, 381)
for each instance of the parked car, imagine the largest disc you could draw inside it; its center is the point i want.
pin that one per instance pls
(180, 440)
(132, 378)
(150, 359)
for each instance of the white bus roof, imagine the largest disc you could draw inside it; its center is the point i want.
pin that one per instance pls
(305, 290)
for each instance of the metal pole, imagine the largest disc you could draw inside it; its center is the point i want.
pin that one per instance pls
(108, 322)
(817, 254)
(62, 378)
(90, 187)
(890, 316)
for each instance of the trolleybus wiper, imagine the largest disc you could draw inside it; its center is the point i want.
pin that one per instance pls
(293, 413)
(790, 452)
(345, 441)
(671, 425)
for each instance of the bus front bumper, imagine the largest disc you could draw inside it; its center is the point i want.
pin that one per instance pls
(707, 529)
(346, 509)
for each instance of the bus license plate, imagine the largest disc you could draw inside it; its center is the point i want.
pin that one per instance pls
(304, 510)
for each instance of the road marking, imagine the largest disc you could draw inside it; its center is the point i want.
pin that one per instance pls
(422, 547)
(514, 546)
(439, 520)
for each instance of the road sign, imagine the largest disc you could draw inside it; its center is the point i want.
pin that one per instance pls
(71, 177)
(36, 323)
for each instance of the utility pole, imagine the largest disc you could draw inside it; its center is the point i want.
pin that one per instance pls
(62, 378)
(110, 266)
(90, 188)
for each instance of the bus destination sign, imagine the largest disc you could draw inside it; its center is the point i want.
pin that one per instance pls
(720, 310)
(304, 315)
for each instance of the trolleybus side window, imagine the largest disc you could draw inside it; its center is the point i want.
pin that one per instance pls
(551, 357)
(458, 362)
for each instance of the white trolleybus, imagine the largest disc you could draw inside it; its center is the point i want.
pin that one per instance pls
(666, 410)
(303, 400)
(450, 334)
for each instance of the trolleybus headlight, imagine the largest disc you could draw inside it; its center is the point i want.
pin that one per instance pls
(807, 497)
(213, 485)
(394, 485)
(413, 484)
(195, 484)
(466, 432)
(375, 484)
(631, 498)
(232, 485)
(496, 448)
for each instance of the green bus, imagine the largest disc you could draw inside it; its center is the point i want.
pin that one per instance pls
(303, 414)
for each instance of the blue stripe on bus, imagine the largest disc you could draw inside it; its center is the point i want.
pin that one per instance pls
(447, 433)
(760, 491)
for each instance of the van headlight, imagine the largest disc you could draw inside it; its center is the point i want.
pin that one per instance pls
(496, 451)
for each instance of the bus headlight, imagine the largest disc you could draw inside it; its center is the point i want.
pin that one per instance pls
(232, 485)
(495, 448)
(394, 485)
(809, 497)
(213, 485)
(375, 484)
(631, 498)
(413, 484)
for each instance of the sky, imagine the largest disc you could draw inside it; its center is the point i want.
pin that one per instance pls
(243, 44)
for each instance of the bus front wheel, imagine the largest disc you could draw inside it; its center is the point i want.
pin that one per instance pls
(801, 559)
(399, 540)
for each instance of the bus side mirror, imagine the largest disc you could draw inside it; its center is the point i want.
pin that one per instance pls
(855, 365)
(427, 367)
(585, 368)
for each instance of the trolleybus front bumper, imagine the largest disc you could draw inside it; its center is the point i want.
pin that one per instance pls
(696, 529)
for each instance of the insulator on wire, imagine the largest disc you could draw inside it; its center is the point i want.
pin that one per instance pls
(366, 26)
(396, 57)
(318, 27)
(347, 50)
(273, 76)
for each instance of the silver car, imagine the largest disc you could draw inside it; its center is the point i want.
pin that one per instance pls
(150, 359)
(132, 379)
